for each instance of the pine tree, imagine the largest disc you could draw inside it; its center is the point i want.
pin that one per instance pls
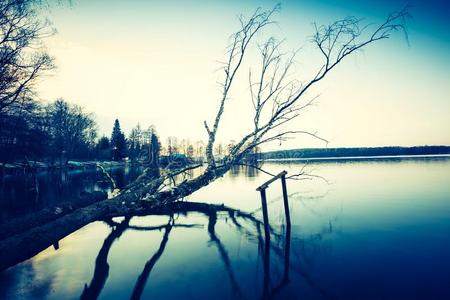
(118, 142)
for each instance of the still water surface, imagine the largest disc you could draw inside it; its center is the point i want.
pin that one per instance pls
(21, 195)
(377, 229)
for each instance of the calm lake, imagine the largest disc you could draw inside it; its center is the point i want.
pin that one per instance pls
(375, 229)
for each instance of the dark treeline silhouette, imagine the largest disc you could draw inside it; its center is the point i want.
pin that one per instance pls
(354, 152)
(29, 129)
(23, 59)
(57, 132)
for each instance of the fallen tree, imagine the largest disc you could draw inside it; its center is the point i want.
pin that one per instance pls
(277, 99)
(47, 215)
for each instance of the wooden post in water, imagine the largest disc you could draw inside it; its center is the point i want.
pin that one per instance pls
(287, 252)
(287, 246)
(262, 190)
(287, 242)
(285, 200)
(265, 213)
(266, 254)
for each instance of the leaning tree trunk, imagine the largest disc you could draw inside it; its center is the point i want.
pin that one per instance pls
(139, 199)
(47, 215)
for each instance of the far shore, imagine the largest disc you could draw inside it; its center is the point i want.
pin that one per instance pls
(351, 158)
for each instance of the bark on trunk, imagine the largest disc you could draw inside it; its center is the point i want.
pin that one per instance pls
(42, 217)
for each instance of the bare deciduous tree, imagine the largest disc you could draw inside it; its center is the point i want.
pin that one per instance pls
(22, 55)
(278, 99)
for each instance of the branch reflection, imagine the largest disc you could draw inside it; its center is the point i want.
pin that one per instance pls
(278, 243)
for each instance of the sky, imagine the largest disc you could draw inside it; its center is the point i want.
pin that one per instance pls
(157, 63)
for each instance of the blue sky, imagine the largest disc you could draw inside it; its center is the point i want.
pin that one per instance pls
(153, 61)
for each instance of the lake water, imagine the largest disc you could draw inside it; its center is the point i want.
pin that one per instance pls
(371, 229)
(19, 196)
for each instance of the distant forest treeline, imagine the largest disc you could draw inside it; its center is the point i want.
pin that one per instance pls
(354, 152)
(59, 131)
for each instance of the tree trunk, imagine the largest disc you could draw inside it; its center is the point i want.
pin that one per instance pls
(47, 215)
(22, 246)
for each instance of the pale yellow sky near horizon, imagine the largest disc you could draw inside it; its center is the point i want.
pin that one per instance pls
(157, 64)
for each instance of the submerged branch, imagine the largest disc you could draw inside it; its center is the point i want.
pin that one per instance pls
(107, 175)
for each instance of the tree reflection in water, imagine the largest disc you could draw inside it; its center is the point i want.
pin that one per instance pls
(143, 277)
(101, 272)
(280, 246)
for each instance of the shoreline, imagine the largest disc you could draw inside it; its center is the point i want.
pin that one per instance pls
(352, 158)
(36, 167)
